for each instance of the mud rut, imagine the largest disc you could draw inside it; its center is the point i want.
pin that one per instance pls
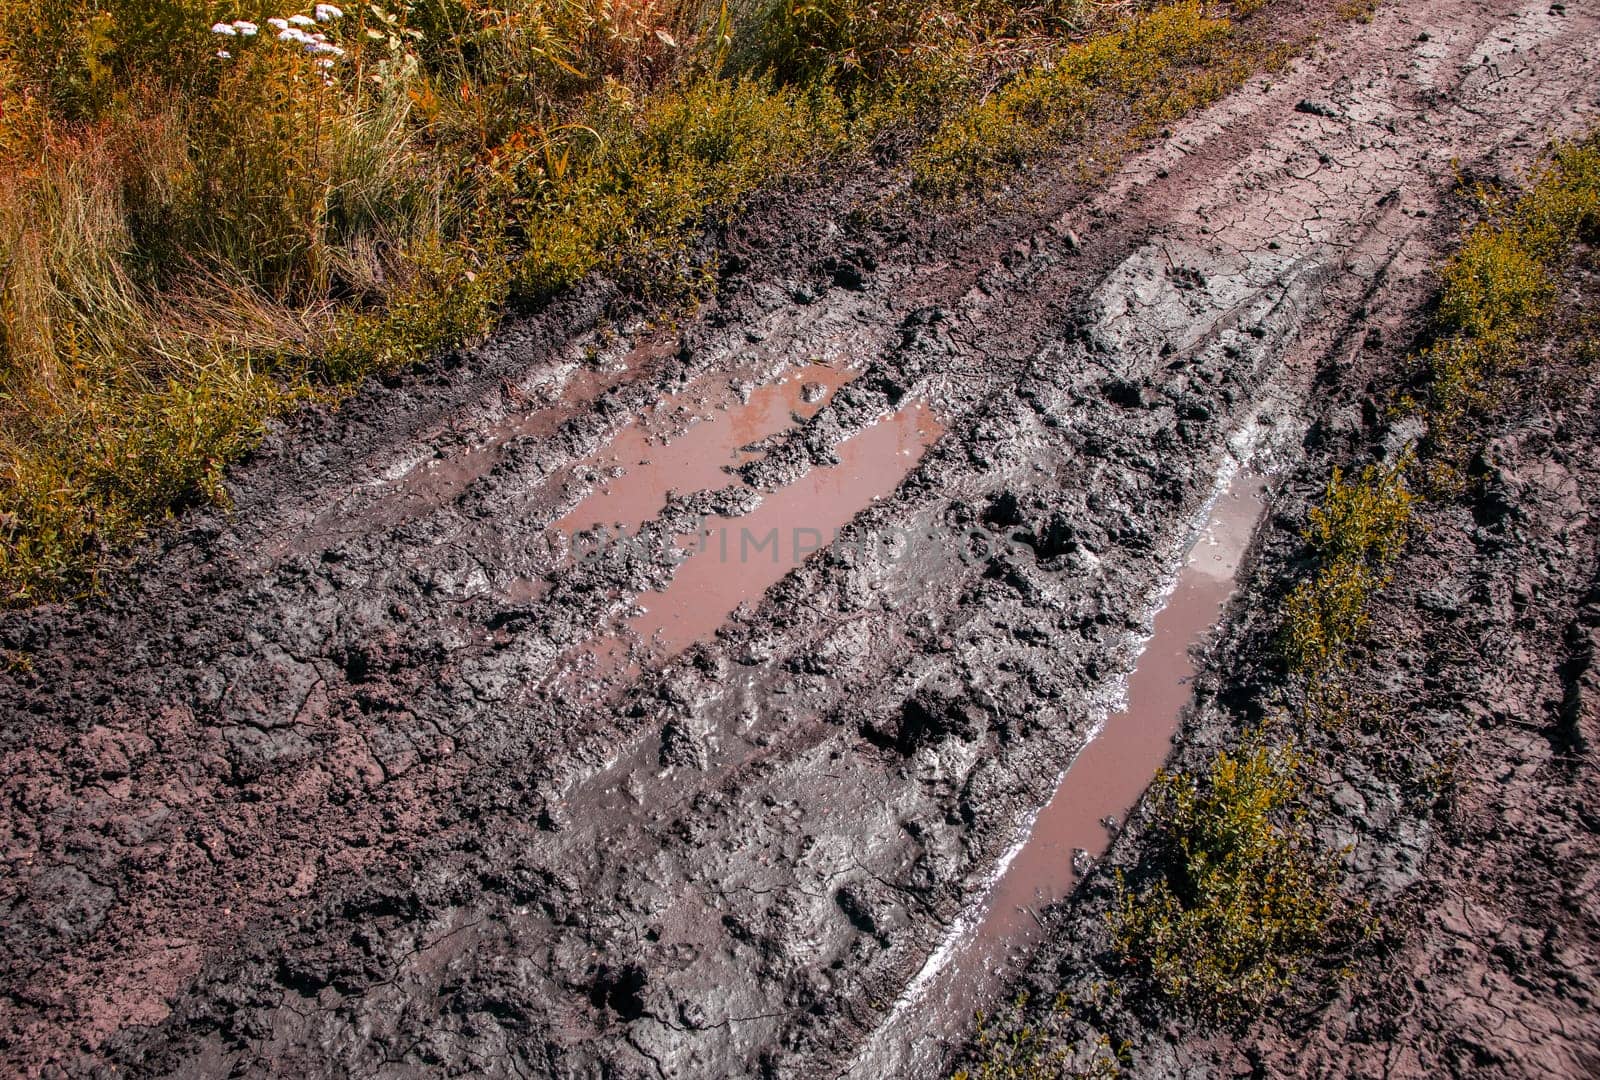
(322, 790)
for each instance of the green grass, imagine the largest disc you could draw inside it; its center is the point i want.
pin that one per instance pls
(1356, 533)
(1497, 290)
(1014, 1049)
(1154, 67)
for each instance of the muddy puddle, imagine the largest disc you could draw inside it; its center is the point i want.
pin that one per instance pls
(640, 467)
(730, 560)
(1098, 789)
(413, 489)
(695, 441)
(733, 559)
(444, 477)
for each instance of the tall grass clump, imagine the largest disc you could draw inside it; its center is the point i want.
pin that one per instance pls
(183, 206)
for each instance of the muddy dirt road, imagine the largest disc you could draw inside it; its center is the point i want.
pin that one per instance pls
(397, 770)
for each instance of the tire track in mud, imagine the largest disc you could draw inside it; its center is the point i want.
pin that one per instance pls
(329, 765)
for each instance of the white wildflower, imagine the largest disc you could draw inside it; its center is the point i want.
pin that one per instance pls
(224, 29)
(324, 64)
(278, 24)
(224, 54)
(299, 37)
(245, 27)
(302, 20)
(327, 13)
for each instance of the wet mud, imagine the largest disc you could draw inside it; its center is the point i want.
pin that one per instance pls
(308, 793)
(974, 966)
(730, 560)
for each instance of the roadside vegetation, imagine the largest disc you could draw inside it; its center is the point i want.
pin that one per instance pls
(1014, 1049)
(1356, 533)
(1155, 68)
(1245, 890)
(1244, 900)
(1498, 290)
(214, 212)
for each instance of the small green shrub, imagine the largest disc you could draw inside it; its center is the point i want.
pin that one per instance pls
(1019, 1050)
(1366, 519)
(1356, 533)
(1327, 613)
(451, 295)
(1245, 894)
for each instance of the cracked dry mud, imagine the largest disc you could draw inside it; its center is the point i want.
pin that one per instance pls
(370, 777)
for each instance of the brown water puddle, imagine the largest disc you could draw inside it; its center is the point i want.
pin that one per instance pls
(641, 468)
(436, 481)
(1105, 780)
(733, 559)
(736, 558)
